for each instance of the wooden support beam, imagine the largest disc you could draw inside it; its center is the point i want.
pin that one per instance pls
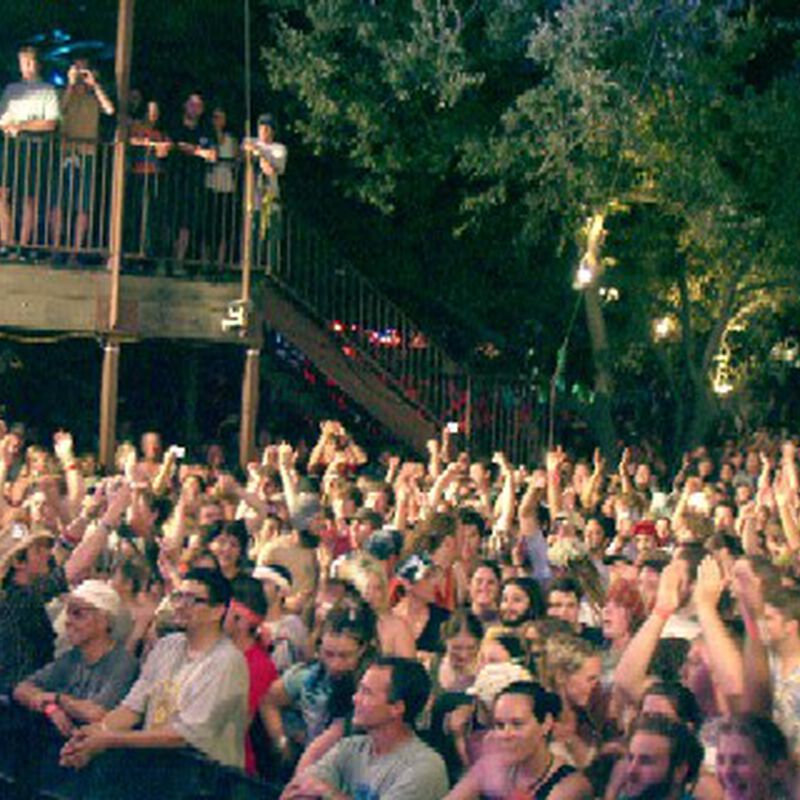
(108, 403)
(249, 417)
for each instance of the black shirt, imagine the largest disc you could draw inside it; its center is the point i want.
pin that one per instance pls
(26, 635)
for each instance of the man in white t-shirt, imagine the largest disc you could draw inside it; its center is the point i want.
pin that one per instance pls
(271, 157)
(27, 107)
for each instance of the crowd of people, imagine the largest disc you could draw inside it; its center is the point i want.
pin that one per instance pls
(183, 200)
(335, 625)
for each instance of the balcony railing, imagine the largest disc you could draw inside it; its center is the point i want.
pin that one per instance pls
(184, 214)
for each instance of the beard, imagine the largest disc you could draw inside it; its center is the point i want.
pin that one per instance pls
(655, 791)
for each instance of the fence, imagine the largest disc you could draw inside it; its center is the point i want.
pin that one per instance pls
(55, 198)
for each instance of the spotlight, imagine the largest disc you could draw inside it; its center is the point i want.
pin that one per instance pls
(584, 276)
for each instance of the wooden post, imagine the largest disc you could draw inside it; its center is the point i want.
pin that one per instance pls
(108, 403)
(123, 76)
(250, 387)
(247, 423)
(108, 391)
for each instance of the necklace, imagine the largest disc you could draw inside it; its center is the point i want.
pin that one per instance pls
(533, 786)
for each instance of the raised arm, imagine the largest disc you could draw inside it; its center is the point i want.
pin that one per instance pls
(81, 561)
(554, 460)
(504, 519)
(631, 673)
(76, 487)
(789, 465)
(727, 666)
(449, 474)
(624, 472)
(288, 476)
(786, 503)
(318, 453)
(757, 682)
(434, 458)
(764, 488)
(590, 496)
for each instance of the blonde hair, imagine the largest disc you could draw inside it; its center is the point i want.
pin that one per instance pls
(358, 571)
(565, 655)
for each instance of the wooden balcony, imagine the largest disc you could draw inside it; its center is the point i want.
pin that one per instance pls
(41, 298)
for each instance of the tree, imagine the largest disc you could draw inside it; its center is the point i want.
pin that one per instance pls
(656, 107)
(482, 136)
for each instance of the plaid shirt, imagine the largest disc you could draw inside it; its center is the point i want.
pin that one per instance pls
(26, 635)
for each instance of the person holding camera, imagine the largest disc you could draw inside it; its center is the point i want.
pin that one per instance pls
(82, 103)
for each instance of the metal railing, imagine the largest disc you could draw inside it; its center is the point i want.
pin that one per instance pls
(180, 210)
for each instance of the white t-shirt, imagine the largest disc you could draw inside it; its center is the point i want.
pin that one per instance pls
(204, 698)
(29, 100)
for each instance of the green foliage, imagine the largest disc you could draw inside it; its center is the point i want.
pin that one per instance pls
(654, 104)
(531, 118)
(376, 87)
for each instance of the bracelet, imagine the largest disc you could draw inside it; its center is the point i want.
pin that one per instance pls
(57, 699)
(50, 709)
(663, 613)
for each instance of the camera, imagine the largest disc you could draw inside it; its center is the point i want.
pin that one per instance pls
(178, 452)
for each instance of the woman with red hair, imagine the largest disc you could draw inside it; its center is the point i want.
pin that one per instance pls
(623, 612)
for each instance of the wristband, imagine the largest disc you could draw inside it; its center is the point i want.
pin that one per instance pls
(57, 699)
(663, 613)
(50, 709)
(751, 627)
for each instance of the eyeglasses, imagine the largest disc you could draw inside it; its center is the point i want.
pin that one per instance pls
(189, 599)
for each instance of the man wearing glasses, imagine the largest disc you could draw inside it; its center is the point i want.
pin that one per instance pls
(192, 691)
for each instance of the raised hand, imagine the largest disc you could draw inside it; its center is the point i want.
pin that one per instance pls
(709, 584)
(598, 460)
(747, 587)
(286, 455)
(670, 586)
(63, 446)
(555, 458)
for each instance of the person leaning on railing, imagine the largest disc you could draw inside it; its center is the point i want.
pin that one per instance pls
(27, 107)
(272, 157)
(145, 219)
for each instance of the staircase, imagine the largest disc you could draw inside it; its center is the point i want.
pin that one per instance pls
(379, 356)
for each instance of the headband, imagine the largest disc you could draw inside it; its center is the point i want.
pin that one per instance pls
(246, 613)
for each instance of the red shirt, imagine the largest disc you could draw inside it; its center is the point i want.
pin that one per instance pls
(262, 674)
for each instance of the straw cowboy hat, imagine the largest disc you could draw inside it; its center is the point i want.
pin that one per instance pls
(16, 538)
